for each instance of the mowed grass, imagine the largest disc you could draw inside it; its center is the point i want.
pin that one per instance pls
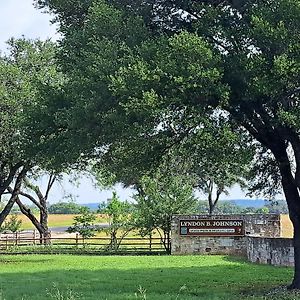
(38, 277)
(57, 221)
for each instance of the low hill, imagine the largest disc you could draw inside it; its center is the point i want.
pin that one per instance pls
(91, 206)
(256, 203)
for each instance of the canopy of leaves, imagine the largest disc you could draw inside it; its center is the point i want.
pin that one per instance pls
(151, 73)
(84, 224)
(64, 208)
(155, 94)
(119, 214)
(160, 198)
(26, 72)
(13, 224)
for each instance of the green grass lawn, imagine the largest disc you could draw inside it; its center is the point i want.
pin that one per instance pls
(38, 277)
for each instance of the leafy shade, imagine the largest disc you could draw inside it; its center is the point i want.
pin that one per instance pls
(84, 224)
(24, 72)
(159, 198)
(182, 62)
(120, 221)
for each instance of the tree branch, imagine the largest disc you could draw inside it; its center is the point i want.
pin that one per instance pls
(49, 185)
(12, 172)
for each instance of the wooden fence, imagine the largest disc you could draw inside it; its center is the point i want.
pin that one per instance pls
(28, 243)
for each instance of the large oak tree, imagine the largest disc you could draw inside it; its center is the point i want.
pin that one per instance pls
(140, 69)
(27, 71)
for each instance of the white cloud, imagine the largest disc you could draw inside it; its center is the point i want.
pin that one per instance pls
(20, 17)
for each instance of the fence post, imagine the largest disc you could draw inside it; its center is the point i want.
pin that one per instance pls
(76, 239)
(16, 243)
(150, 242)
(6, 242)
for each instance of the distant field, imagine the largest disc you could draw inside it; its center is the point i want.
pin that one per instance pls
(57, 221)
(286, 227)
(39, 277)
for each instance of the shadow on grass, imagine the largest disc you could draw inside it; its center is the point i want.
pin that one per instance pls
(229, 278)
(16, 260)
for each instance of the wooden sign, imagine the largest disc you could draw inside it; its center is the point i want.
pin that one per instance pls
(210, 227)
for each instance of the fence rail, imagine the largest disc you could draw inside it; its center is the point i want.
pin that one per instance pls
(19, 242)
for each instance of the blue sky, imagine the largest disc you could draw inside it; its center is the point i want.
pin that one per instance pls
(19, 18)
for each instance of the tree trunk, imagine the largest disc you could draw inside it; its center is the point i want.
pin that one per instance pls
(44, 232)
(44, 221)
(210, 204)
(6, 210)
(169, 242)
(166, 240)
(4, 213)
(293, 201)
(26, 211)
(210, 195)
(113, 241)
(296, 281)
(4, 183)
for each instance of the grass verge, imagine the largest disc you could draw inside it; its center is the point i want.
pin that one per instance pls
(38, 277)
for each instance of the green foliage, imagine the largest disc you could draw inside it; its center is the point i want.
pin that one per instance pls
(240, 59)
(152, 74)
(263, 210)
(145, 84)
(226, 207)
(161, 72)
(214, 158)
(120, 220)
(168, 89)
(277, 206)
(117, 211)
(159, 198)
(229, 207)
(28, 70)
(223, 207)
(84, 224)
(25, 73)
(65, 208)
(102, 207)
(13, 224)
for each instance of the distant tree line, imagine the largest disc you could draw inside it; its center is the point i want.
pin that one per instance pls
(229, 207)
(195, 206)
(65, 208)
